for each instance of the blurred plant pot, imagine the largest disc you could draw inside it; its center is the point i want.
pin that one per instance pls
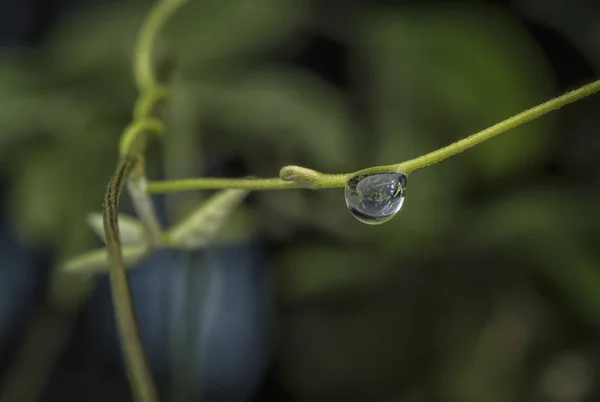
(205, 318)
(19, 282)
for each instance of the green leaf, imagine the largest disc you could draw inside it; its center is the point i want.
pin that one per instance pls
(306, 272)
(94, 262)
(18, 100)
(290, 110)
(131, 230)
(58, 182)
(205, 32)
(97, 41)
(201, 227)
(442, 73)
(201, 32)
(38, 196)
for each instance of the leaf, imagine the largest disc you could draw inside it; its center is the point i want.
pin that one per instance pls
(131, 230)
(291, 110)
(440, 74)
(201, 227)
(102, 41)
(18, 101)
(99, 41)
(95, 262)
(43, 202)
(39, 202)
(309, 271)
(213, 30)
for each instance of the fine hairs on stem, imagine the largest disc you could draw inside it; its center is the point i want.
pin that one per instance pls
(131, 163)
(130, 170)
(294, 177)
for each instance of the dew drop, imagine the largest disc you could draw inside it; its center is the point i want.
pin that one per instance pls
(375, 198)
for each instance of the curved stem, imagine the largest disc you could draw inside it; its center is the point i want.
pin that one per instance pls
(132, 139)
(131, 151)
(292, 177)
(499, 128)
(144, 64)
(135, 359)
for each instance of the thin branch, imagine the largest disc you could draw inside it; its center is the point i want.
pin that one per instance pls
(499, 128)
(144, 63)
(294, 177)
(132, 147)
(291, 177)
(136, 363)
(169, 186)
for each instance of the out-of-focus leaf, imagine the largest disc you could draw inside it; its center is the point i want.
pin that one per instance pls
(362, 348)
(28, 110)
(96, 261)
(525, 216)
(201, 227)
(291, 110)
(579, 21)
(214, 30)
(443, 73)
(59, 182)
(483, 370)
(315, 271)
(38, 197)
(545, 224)
(17, 100)
(580, 282)
(98, 40)
(200, 32)
(239, 227)
(131, 230)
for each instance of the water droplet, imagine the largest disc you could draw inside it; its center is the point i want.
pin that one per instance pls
(375, 198)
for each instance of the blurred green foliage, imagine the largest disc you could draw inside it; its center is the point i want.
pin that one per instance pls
(440, 302)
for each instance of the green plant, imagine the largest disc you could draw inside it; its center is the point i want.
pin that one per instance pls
(128, 240)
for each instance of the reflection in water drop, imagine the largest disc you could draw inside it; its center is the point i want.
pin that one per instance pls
(375, 198)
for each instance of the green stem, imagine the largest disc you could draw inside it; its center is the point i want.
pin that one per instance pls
(499, 128)
(135, 359)
(143, 70)
(169, 186)
(134, 136)
(293, 177)
(131, 151)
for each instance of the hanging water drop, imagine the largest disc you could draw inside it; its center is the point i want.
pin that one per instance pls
(375, 198)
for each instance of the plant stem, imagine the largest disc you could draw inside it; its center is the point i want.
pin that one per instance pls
(135, 359)
(499, 128)
(131, 153)
(144, 64)
(169, 186)
(294, 177)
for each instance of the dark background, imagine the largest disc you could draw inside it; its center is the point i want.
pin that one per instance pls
(486, 287)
